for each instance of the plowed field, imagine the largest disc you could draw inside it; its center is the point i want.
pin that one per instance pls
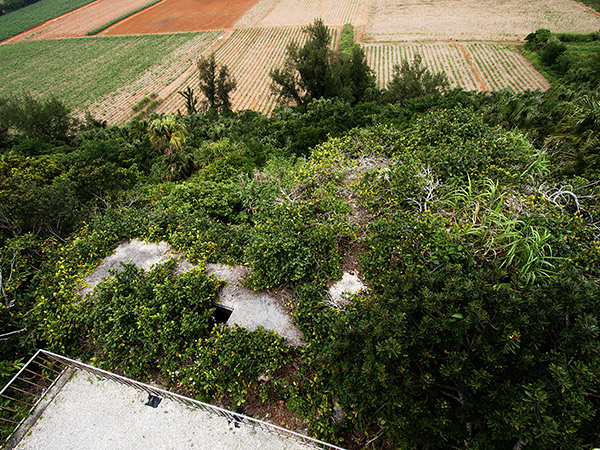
(173, 16)
(411, 20)
(304, 12)
(79, 22)
(470, 66)
(250, 54)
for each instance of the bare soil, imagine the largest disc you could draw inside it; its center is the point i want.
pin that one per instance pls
(464, 20)
(77, 23)
(304, 12)
(173, 16)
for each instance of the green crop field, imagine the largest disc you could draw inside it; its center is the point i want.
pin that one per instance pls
(36, 14)
(79, 71)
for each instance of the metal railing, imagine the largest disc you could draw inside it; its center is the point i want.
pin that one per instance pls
(24, 392)
(49, 364)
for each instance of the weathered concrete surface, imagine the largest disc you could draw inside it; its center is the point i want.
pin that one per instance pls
(89, 414)
(253, 309)
(250, 309)
(341, 291)
(142, 254)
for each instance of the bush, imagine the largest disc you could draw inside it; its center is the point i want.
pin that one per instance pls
(413, 80)
(234, 364)
(289, 245)
(138, 322)
(46, 120)
(552, 50)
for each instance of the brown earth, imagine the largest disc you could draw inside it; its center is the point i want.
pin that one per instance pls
(482, 20)
(77, 23)
(174, 16)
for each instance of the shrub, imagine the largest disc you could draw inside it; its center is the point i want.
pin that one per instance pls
(234, 364)
(289, 245)
(138, 322)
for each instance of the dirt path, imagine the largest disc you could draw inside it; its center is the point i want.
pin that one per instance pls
(475, 72)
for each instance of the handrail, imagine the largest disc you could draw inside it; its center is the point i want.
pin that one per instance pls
(231, 416)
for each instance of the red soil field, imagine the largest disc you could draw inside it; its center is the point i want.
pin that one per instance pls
(172, 16)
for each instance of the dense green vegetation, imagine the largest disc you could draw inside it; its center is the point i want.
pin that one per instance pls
(7, 6)
(35, 14)
(592, 3)
(316, 71)
(472, 217)
(80, 71)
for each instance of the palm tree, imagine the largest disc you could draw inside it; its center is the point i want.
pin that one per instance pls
(581, 127)
(167, 131)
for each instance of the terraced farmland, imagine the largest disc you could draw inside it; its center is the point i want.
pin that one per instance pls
(470, 66)
(250, 54)
(84, 70)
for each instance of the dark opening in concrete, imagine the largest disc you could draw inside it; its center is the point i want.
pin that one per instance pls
(221, 315)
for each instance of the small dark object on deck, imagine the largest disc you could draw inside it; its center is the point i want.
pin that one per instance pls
(153, 401)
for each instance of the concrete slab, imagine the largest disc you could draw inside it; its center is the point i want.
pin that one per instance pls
(252, 309)
(143, 254)
(341, 291)
(90, 414)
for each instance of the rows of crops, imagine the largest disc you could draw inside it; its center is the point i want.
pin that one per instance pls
(501, 67)
(304, 12)
(470, 66)
(36, 14)
(160, 79)
(81, 71)
(250, 54)
(78, 23)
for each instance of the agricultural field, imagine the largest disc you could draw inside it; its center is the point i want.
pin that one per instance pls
(250, 54)
(85, 70)
(472, 66)
(161, 79)
(31, 16)
(79, 22)
(172, 16)
(304, 12)
(483, 20)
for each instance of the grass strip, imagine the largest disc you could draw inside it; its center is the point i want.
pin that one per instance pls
(36, 14)
(592, 3)
(110, 23)
(143, 102)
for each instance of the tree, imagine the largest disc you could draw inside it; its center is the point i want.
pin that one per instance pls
(216, 84)
(412, 80)
(167, 131)
(190, 100)
(43, 119)
(315, 71)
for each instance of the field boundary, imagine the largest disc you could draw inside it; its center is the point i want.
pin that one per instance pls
(32, 31)
(116, 20)
(475, 71)
(182, 80)
(129, 17)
